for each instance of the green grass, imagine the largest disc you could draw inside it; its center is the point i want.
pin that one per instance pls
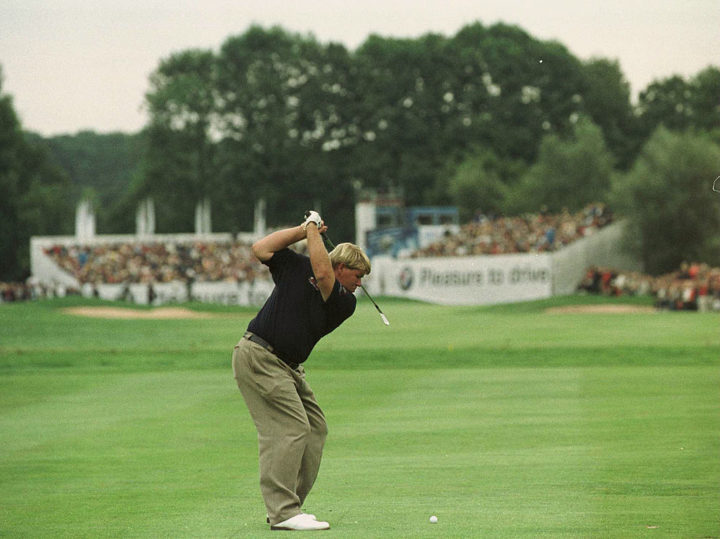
(503, 421)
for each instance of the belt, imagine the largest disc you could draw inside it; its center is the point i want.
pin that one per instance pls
(269, 347)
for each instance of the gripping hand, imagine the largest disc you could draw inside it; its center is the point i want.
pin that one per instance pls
(312, 216)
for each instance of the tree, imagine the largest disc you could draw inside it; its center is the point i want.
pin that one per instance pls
(569, 173)
(284, 110)
(33, 197)
(477, 186)
(432, 99)
(180, 164)
(679, 104)
(606, 99)
(10, 186)
(404, 90)
(103, 164)
(673, 215)
(703, 100)
(294, 121)
(533, 88)
(280, 116)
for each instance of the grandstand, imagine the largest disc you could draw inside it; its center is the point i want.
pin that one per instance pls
(490, 260)
(420, 253)
(154, 269)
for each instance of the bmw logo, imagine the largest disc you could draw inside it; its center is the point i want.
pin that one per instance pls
(405, 278)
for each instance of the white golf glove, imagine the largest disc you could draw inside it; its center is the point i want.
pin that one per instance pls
(312, 216)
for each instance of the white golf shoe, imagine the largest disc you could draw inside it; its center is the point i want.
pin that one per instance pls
(301, 522)
(267, 517)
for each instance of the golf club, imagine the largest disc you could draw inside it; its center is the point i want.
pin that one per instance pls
(382, 314)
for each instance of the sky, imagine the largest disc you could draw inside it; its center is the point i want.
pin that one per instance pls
(73, 65)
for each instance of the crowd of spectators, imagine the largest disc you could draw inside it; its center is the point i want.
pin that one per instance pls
(16, 292)
(693, 287)
(159, 262)
(196, 261)
(25, 291)
(529, 233)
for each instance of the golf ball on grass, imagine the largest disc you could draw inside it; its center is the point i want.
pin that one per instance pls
(433, 519)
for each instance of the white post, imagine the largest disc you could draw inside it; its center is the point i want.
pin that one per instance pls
(207, 219)
(365, 219)
(84, 221)
(202, 217)
(260, 224)
(145, 218)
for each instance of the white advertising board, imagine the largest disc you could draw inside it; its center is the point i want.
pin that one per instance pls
(473, 280)
(224, 293)
(231, 293)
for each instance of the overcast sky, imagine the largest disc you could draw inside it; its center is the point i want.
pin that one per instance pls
(84, 64)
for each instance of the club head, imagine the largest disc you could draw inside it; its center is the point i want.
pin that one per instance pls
(384, 319)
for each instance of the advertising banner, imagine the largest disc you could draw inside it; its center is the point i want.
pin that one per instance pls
(467, 280)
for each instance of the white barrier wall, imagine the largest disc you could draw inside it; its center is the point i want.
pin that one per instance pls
(476, 280)
(227, 293)
(602, 248)
(223, 293)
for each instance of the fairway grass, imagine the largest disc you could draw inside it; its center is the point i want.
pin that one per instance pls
(503, 421)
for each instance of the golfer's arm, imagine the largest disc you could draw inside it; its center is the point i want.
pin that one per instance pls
(320, 262)
(277, 241)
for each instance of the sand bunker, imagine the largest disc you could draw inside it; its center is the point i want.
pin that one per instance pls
(161, 313)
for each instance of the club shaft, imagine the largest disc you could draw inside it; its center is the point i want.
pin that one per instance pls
(372, 300)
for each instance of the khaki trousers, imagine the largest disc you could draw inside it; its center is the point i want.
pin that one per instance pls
(290, 424)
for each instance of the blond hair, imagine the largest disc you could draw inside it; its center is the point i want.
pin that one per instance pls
(352, 256)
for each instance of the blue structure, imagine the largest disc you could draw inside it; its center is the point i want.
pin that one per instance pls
(397, 228)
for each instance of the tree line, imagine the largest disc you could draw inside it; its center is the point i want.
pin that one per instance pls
(490, 119)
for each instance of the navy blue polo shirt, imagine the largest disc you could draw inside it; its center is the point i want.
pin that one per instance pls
(295, 317)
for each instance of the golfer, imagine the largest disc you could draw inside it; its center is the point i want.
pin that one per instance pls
(312, 296)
